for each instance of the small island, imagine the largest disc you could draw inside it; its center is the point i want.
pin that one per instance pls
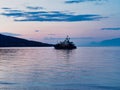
(66, 44)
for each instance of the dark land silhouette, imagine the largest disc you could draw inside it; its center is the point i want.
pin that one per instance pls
(9, 41)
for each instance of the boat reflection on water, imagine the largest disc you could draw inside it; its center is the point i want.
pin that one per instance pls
(66, 44)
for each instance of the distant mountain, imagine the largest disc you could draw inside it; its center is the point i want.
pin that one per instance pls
(110, 42)
(9, 41)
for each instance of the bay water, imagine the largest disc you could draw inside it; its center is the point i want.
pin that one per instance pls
(44, 68)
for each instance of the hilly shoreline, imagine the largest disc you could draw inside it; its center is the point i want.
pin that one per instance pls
(9, 41)
(106, 43)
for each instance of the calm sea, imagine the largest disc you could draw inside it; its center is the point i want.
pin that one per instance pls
(86, 68)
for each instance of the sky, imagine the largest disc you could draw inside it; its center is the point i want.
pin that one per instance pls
(51, 21)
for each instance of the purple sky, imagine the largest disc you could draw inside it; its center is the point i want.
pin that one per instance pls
(83, 20)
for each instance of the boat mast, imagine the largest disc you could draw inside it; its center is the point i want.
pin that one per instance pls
(67, 39)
